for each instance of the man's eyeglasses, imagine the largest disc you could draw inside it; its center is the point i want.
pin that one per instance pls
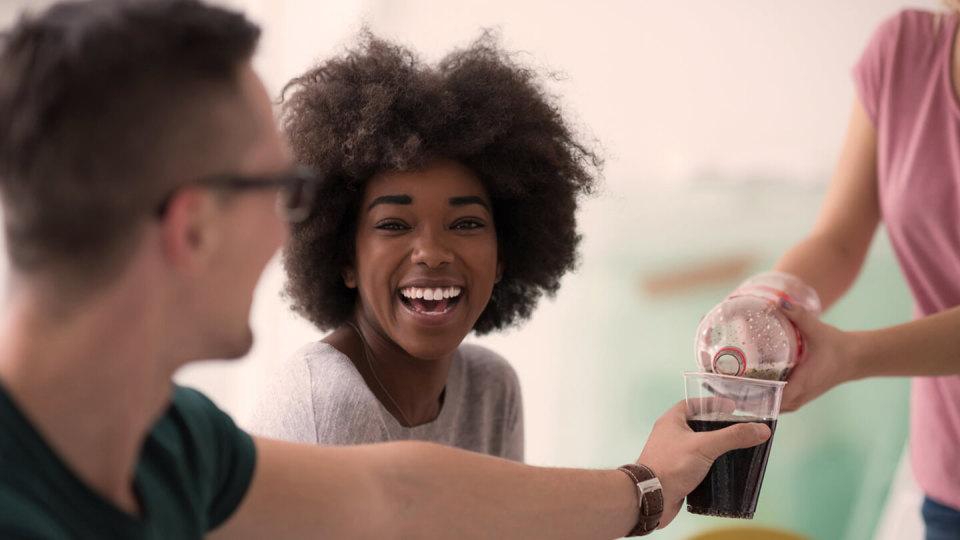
(298, 189)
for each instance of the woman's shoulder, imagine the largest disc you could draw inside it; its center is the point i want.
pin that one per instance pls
(479, 362)
(319, 386)
(320, 354)
(923, 21)
(333, 377)
(912, 25)
(317, 374)
(491, 401)
(314, 362)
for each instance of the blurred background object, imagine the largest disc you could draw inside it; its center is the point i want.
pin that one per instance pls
(697, 274)
(746, 533)
(721, 122)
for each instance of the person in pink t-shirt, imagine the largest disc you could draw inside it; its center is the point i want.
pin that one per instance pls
(900, 166)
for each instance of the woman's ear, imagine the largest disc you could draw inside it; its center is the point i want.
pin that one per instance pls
(499, 271)
(349, 277)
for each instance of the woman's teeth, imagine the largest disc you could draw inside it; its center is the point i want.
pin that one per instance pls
(430, 294)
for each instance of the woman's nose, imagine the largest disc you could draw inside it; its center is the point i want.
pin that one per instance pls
(430, 250)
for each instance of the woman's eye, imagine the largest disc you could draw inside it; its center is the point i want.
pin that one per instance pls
(468, 224)
(391, 225)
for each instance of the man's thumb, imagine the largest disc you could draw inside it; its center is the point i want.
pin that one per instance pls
(719, 442)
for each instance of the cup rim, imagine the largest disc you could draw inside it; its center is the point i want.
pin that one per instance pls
(748, 380)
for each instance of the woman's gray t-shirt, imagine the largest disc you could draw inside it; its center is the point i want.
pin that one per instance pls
(318, 396)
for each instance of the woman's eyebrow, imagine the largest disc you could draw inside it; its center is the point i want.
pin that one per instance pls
(469, 199)
(391, 199)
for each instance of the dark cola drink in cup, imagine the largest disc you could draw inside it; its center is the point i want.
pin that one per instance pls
(732, 486)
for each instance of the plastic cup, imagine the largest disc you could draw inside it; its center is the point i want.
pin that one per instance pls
(714, 401)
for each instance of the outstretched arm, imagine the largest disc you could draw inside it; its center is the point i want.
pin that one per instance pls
(422, 490)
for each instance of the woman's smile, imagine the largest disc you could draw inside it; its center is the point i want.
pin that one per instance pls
(431, 305)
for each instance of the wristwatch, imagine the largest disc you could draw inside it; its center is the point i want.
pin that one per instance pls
(649, 496)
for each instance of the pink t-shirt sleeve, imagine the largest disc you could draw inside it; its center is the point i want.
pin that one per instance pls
(871, 70)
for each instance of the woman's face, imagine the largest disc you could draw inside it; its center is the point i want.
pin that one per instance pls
(426, 256)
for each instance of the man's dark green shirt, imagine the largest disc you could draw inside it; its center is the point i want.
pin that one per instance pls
(194, 470)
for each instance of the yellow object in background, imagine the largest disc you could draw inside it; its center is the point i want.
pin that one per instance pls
(747, 533)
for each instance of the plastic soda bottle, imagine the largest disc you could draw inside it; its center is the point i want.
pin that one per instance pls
(747, 335)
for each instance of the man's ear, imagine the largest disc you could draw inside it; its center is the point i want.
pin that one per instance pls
(349, 275)
(188, 229)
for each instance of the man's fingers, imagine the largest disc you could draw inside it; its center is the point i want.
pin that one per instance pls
(678, 413)
(716, 443)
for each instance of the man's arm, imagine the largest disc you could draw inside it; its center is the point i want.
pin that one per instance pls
(422, 490)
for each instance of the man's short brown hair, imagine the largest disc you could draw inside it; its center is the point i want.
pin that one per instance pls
(97, 98)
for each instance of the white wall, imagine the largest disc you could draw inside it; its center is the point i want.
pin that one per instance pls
(670, 88)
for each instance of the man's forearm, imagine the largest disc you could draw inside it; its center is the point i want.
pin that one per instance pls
(926, 347)
(448, 493)
(423, 490)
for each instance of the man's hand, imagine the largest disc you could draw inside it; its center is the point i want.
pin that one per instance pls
(827, 361)
(681, 457)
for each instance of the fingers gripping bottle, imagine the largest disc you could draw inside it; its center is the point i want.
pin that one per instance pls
(747, 335)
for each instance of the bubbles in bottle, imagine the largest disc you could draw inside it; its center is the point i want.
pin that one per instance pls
(747, 335)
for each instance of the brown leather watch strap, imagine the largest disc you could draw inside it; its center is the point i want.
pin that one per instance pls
(649, 496)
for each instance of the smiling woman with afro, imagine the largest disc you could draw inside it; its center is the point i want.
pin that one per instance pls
(447, 205)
